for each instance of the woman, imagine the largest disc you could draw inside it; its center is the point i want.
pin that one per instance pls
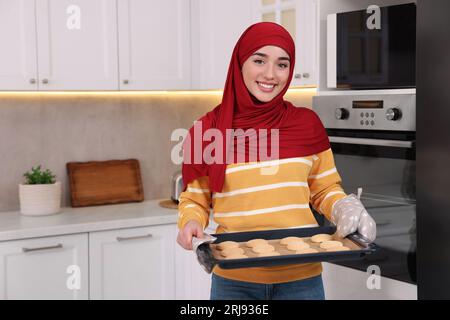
(243, 196)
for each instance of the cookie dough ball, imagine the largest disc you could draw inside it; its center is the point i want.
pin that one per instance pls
(286, 241)
(236, 256)
(318, 238)
(227, 245)
(268, 254)
(340, 248)
(256, 242)
(330, 244)
(297, 245)
(231, 251)
(307, 250)
(264, 248)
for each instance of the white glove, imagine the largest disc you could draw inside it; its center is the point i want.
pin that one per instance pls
(349, 215)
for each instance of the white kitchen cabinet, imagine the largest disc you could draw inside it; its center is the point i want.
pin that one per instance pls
(77, 44)
(58, 45)
(300, 18)
(133, 263)
(154, 44)
(216, 27)
(18, 65)
(45, 268)
(342, 283)
(192, 282)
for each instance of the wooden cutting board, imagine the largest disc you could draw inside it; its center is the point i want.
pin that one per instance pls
(104, 182)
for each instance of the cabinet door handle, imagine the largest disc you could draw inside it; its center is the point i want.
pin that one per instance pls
(126, 81)
(135, 237)
(306, 75)
(297, 76)
(32, 80)
(59, 245)
(44, 81)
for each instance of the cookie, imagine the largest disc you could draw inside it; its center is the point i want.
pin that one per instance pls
(330, 244)
(263, 248)
(268, 254)
(306, 251)
(286, 241)
(231, 251)
(297, 245)
(227, 245)
(256, 242)
(236, 256)
(340, 248)
(318, 238)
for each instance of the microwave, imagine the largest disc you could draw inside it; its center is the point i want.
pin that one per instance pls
(373, 48)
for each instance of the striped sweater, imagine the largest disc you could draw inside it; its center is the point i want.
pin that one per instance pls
(262, 196)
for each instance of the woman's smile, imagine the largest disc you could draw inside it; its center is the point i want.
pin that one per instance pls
(266, 87)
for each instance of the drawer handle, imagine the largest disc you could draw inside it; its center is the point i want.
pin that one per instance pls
(133, 238)
(59, 245)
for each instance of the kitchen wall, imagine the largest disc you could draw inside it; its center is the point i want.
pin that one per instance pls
(52, 129)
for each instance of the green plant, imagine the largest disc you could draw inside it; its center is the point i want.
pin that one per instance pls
(36, 176)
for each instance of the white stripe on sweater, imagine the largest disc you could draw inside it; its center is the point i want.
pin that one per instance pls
(296, 227)
(261, 211)
(323, 174)
(260, 188)
(197, 190)
(268, 164)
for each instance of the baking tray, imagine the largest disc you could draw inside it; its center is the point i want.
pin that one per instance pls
(209, 256)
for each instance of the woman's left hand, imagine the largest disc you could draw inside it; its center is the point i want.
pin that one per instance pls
(349, 216)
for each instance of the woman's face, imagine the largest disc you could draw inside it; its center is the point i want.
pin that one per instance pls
(266, 72)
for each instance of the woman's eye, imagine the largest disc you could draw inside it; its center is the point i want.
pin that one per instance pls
(259, 61)
(283, 65)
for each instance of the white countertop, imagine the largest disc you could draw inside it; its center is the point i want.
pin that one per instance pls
(15, 226)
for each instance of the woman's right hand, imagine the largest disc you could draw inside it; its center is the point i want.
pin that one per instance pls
(191, 229)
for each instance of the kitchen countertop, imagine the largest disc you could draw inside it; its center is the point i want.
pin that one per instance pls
(14, 225)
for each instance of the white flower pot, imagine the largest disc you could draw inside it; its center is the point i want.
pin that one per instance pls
(40, 199)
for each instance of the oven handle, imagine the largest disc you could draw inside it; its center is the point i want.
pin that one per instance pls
(373, 142)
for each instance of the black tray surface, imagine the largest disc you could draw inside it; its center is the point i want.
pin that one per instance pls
(365, 248)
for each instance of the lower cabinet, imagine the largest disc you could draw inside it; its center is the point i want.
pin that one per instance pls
(133, 263)
(45, 268)
(342, 283)
(193, 283)
(130, 263)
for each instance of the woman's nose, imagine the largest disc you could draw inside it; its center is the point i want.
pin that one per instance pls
(269, 72)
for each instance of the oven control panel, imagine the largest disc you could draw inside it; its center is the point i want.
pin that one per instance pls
(387, 112)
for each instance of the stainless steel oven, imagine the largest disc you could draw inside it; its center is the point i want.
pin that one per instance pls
(373, 141)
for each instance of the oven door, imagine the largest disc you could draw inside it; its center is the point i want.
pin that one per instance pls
(382, 163)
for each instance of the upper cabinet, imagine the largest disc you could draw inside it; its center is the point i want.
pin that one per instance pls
(77, 44)
(154, 44)
(140, 44)
(299, 17)
(18, 68)
(58, 45)
(216, 27)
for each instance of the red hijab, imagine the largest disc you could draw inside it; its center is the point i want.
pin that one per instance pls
(301, 132)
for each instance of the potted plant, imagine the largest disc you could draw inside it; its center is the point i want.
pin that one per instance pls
(40, 194)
